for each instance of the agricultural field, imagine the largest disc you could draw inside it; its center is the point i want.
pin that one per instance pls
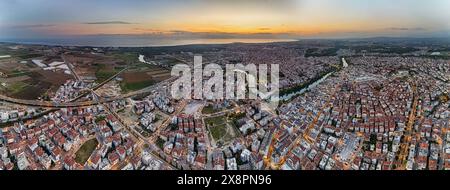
(32, 84)
(97, 66)
(27, 80)
(43, 83)
(17, 73)
(104, 72)
(20, 53)
(126, 57)
(15, 87)
(12, 67)
(136, 79)
(24, 80)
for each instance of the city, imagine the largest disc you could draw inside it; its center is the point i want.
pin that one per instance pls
(225, 92)
(345, 105)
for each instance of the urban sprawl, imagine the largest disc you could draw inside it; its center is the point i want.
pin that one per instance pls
(369, 104)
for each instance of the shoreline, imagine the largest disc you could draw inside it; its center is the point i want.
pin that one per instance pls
(156, 45)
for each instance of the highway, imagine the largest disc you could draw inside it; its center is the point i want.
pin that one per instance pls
(72, 103)
(49, 104)
(100, 101)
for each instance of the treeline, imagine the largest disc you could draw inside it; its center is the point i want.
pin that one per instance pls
(316, 52)
(298, 87)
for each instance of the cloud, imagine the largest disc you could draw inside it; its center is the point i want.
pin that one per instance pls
(27, 26)
(109, 22)
(263, 28)
(406, 29)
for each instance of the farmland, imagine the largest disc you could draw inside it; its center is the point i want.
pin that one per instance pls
(32, 84)
(140, 78)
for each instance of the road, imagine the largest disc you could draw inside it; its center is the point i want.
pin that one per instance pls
(138, 138)
(164, 125)
(404, 147)
(50, 104)
(269, 162)
(100, 85)
(70, 68)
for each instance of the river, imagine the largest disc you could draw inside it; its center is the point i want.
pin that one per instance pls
(312, 85)
(309, 87)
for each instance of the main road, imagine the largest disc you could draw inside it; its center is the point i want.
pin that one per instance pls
(72, 70)
(51, 104)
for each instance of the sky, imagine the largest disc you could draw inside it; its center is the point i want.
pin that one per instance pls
(224, 18)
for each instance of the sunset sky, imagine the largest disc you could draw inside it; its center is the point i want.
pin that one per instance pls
(218, 18)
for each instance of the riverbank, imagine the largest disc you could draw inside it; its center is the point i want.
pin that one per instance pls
(295, 91)
(300, 89)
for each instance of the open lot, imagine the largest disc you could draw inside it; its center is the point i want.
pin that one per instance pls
(221, 130)
(209, 109)
(193, 107)
(85, 151)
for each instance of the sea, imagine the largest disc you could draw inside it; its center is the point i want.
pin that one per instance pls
(136, 41)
